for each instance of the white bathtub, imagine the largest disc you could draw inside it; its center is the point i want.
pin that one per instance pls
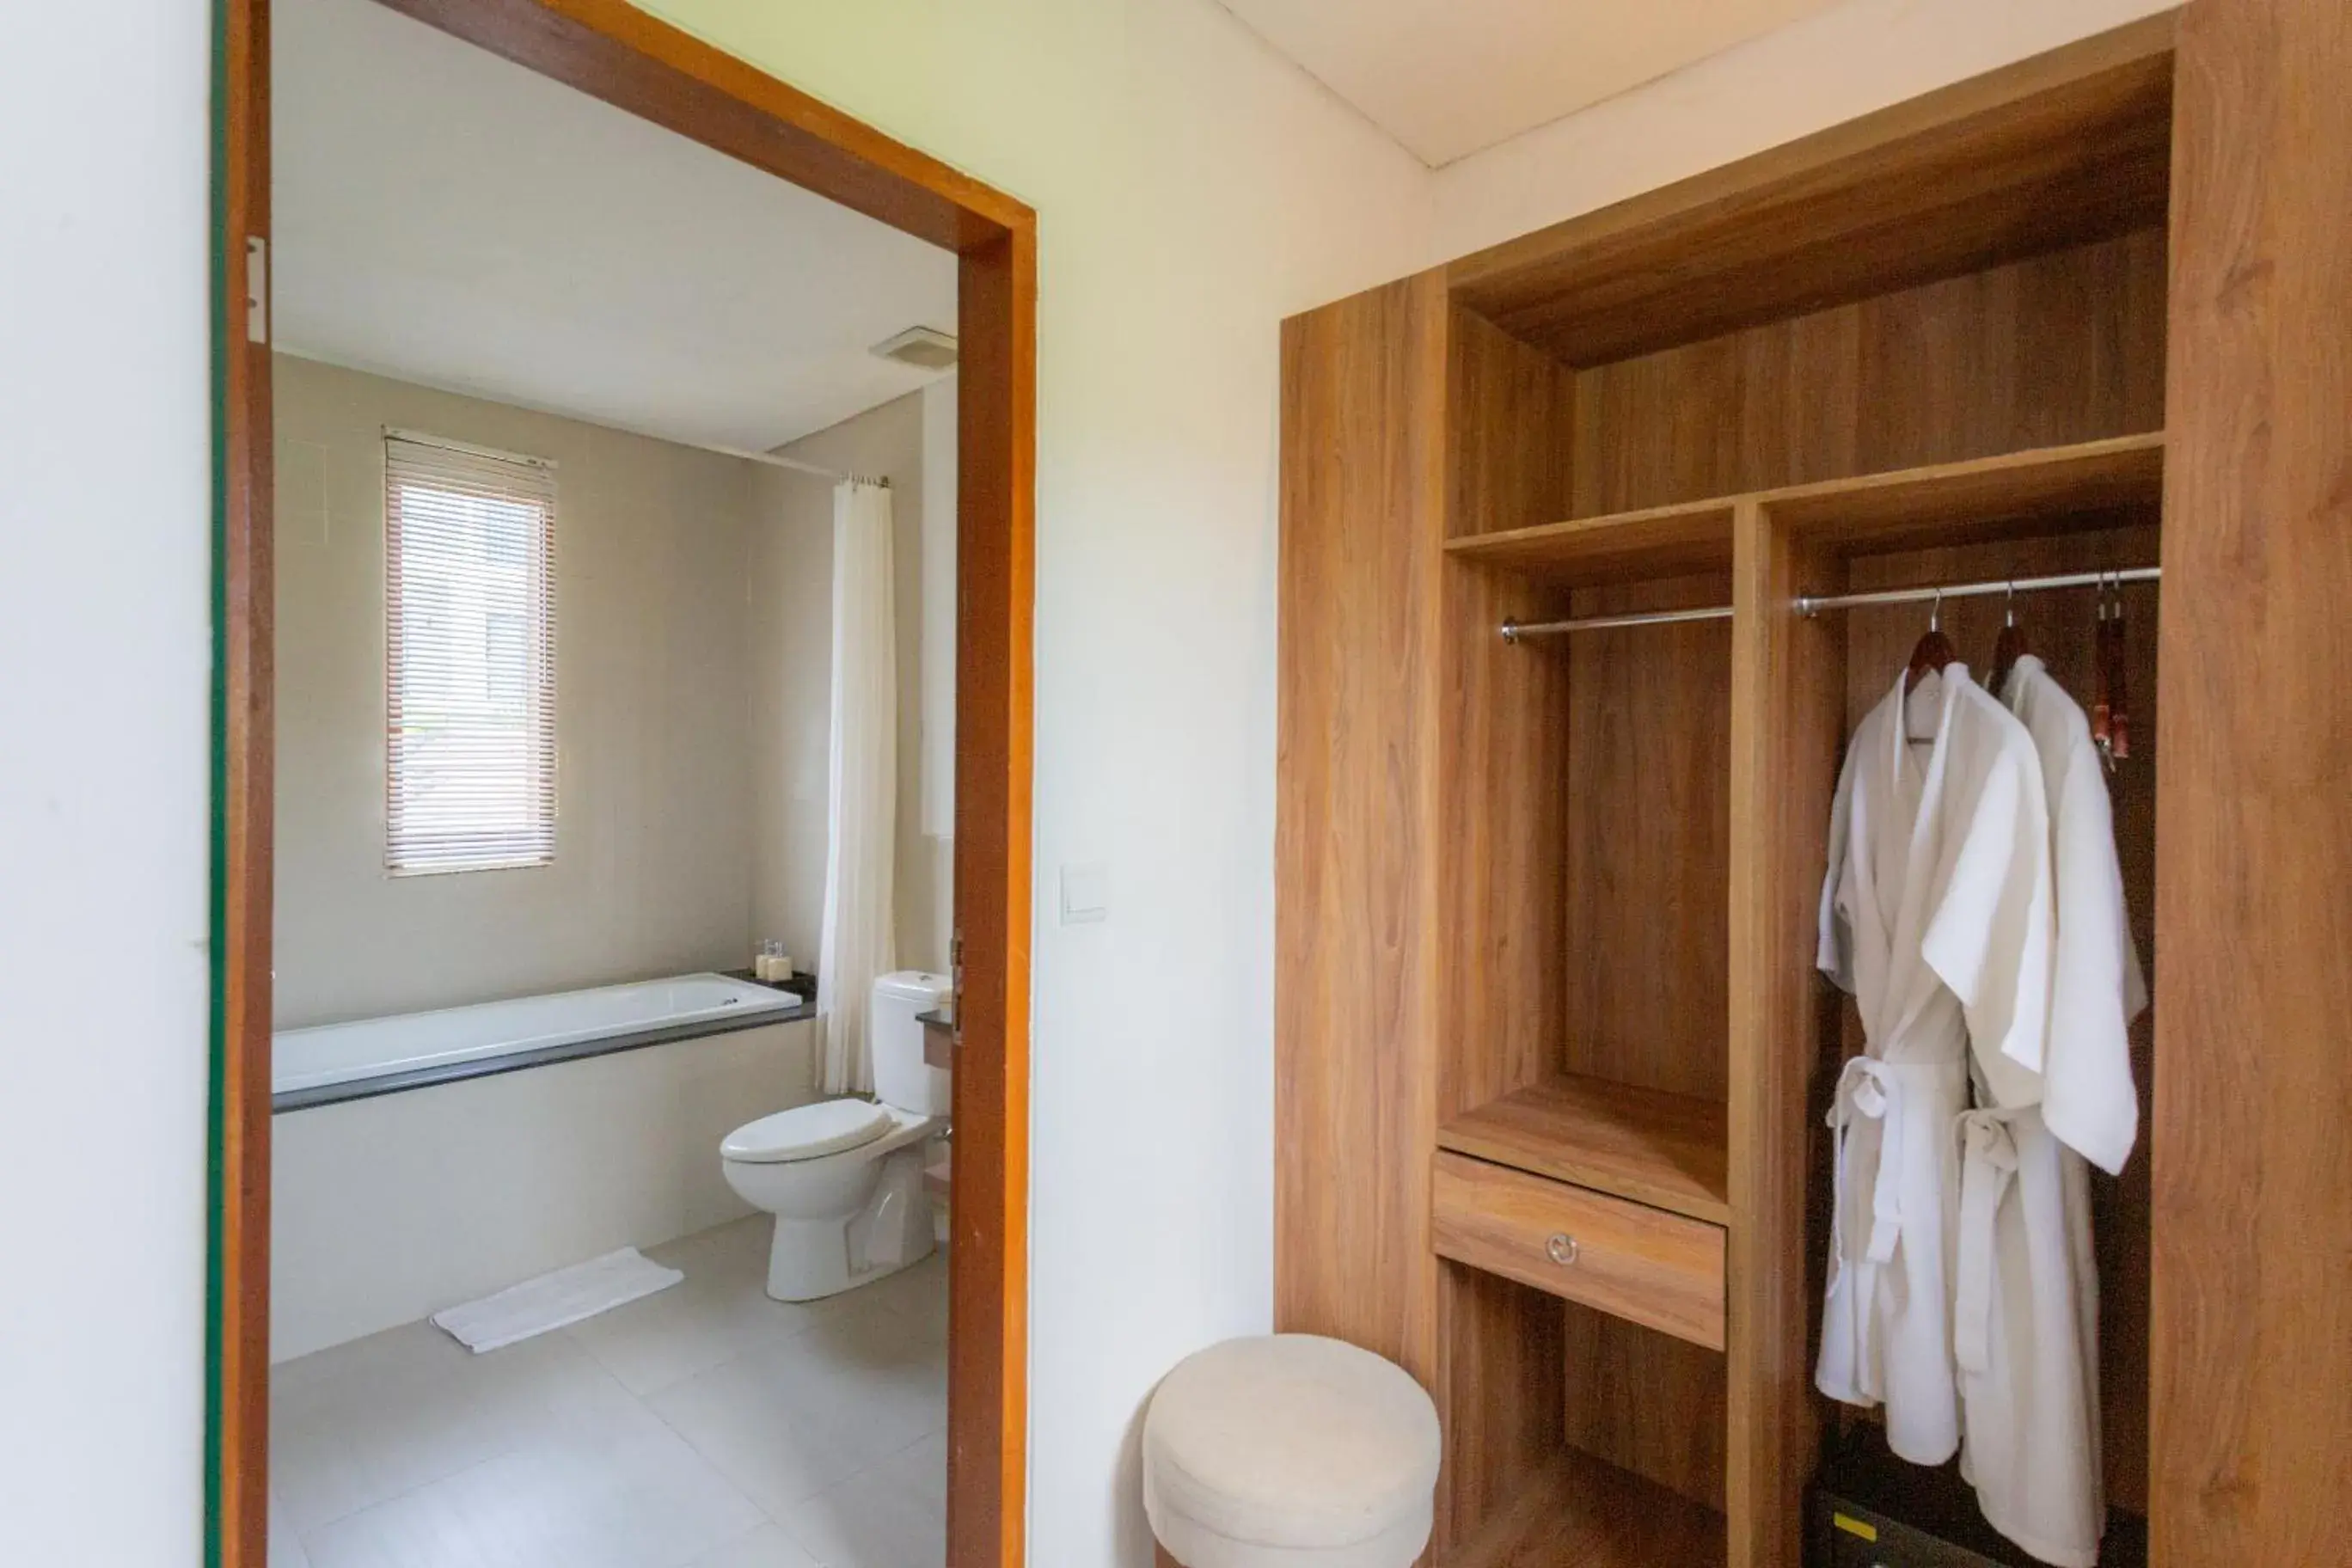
(418, 1168)
(332, 1062)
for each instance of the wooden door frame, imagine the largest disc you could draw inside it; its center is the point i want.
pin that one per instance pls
(612, 51)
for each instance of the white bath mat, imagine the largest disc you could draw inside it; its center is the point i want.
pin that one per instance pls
(554, 1300)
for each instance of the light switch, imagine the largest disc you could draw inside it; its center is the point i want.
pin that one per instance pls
(1086, 893)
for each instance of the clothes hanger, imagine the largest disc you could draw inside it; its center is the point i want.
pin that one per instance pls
(2118, 698)
(2102, 682)
(1929, 656)
(2009, 648)
(1932, 652)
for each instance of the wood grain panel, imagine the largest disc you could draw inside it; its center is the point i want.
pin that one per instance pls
(2048, 489)
(1664, 541)
(1646, 1402)
(1788, 682)
(1504, 751)
(1664, 1150)
(988, 1374)
(1649, 841)
(1509, 431)
(1508, 422)
(1582, 1512)
(1644, 1265)
(2253, 1320)
(2068, 146)
(1644, 957)
(236, 1480)
(1357, 958)
(1500, 1392)
(2063, 348)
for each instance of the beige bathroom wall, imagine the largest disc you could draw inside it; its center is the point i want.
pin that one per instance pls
(791, 664)
(654, 843)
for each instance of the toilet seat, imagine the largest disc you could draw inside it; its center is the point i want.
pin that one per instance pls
(808, 1131)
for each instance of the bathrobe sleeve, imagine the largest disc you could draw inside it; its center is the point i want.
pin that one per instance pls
(1835, 956)
(1989, 937)
(2088, 1099)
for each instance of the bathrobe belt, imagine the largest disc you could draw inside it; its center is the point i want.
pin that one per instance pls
(1868, 1091)
(1988, 1166)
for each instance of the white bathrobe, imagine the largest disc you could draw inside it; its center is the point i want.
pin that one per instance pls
(1936, 915)
(2026, 1306)
(2096, 988)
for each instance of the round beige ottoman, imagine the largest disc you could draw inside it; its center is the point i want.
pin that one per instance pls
(1289, 1451)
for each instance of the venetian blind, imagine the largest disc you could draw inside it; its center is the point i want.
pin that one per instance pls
(469, 619)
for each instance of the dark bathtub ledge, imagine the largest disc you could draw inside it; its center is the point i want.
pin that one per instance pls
(803, 985)
(571, 1051)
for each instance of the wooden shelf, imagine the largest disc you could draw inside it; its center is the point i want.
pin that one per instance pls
(2071, 146)
(1657, 541)
(1583, 1511)
(2013, 495)
(1669, 1151)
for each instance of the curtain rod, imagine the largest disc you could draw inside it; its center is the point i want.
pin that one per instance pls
(1809, 605)
(770, 459)
(774, 461)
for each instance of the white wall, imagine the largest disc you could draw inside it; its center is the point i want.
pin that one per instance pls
(1192, 191)
(791, 661)
(653, 853)
(104, 574)
(387, 1210)
(1823, 71)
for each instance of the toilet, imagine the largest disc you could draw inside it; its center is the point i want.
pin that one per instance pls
(845, 1177)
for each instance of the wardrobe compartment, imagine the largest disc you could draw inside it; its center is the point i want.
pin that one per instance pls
(2067, 512)
(1579, 1191)
(1559, 741)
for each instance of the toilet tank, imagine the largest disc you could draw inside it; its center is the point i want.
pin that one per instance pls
(901, 1077)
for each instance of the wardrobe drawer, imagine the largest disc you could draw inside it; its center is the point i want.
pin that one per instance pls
(1628, 1260)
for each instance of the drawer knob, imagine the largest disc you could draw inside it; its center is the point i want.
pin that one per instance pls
(1562, 1250)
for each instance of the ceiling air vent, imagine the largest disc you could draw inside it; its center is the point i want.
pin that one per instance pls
(919, 347)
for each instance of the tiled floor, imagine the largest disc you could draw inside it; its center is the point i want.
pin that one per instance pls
(706, 1426)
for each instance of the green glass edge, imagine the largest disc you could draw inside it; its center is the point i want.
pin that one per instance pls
(216, 1118)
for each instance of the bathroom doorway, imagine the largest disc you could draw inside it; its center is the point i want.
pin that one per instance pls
(613, 53)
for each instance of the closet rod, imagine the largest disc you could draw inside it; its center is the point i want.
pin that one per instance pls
(1815, 603)
(1513, 631)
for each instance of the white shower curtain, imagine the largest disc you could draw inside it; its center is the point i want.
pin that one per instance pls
(859, 871)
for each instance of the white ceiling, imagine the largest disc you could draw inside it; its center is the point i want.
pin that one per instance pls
(444, 216)
(1448, 77)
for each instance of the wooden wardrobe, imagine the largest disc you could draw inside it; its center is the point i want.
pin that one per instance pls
(1552, 1056)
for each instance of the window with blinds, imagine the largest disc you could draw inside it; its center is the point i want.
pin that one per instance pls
(469, 673)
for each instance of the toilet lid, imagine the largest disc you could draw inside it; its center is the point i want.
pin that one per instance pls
(806, 1132)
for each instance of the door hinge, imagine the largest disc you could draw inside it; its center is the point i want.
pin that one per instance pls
(955, 983)
(256, 288)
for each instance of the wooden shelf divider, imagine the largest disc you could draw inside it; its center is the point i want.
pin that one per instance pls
(2008, 496)
(1669, 1151)
(1656, 541)
(1586, 1511)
